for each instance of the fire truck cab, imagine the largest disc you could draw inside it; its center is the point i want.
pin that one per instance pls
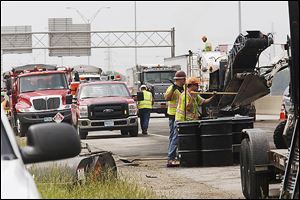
(38, 94)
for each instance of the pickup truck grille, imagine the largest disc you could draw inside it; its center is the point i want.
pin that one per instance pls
(46, 103)
(108, 111)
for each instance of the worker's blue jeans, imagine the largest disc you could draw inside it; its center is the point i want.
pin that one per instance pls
(173, 138)
(144, 118)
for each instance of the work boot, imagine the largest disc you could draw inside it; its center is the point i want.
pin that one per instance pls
(173, 163)
(144, 132)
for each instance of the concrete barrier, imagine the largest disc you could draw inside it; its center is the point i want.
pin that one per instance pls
(268, 105)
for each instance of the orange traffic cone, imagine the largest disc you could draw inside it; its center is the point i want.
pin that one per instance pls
(282, 113)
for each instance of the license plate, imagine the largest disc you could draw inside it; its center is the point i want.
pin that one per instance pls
(108, 123)
(47, 119)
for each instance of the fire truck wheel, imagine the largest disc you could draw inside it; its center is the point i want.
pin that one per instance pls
(22, 128)
(82, 134)
(278, 137)
(134, 132)
(254, 185)
(123, 132)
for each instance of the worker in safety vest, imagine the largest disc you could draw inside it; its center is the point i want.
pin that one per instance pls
(4, 102)
(189, 102)
(145, 107)
(172, 95)
(207, 45)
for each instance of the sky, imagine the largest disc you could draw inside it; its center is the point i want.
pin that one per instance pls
(191, 19)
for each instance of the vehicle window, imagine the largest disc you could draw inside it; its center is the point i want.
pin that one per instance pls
(7, 152)
(42, 82)
(159, 77)
(104, 90)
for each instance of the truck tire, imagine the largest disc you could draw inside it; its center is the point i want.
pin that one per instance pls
(254, 185)
(134, 132)
(124, 132)
(278, 136)
(22, 128)
(82, 134)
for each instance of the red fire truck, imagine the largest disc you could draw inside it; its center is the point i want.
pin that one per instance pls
(38, 94)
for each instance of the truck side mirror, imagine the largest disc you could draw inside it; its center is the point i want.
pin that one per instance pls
(69, 99)
(76, 76)
(8, 85)
(50, 141)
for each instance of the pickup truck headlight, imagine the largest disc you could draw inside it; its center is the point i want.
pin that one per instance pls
(83, 111)
(132, 109)
(24, 110)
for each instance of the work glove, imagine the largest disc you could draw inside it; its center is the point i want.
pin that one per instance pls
(174, 87)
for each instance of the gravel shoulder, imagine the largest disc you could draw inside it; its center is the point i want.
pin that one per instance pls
(180, 183)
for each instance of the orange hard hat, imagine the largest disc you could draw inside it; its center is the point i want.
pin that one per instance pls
(193, 81)
(180, 75)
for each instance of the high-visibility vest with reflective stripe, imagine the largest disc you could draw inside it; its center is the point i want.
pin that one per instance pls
(191, 114)
(147, 102)
(172, 104)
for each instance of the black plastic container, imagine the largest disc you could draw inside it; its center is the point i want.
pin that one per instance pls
(238, 124)
(205, 142)
(216, 142)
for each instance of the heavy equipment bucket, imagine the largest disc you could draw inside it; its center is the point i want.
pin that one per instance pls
(249, 88)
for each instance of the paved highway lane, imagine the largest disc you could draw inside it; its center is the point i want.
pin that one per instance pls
(154, 144)
(144, 146)
(195, 182)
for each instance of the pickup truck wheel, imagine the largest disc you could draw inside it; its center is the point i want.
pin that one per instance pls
(22, 128)
(123, 132)
(82, 134)
(134, 132)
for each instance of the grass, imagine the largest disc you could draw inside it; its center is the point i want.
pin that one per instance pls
(59, 185)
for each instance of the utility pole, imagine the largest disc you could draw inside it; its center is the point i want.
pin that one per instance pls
(273, 33)
(135, 42)
(240, 17)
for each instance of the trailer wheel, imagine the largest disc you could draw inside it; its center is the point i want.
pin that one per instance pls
(278, 137)
(134, 132)
(22, 128)
(254, 185)
(124, 132)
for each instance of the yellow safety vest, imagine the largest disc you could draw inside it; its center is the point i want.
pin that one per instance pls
(207, 46)
(172, 104)
(191, 114)
(147, 102)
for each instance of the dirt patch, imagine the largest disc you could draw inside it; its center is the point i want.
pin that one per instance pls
(168, 183)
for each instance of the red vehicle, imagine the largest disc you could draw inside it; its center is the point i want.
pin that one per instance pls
(104, 105)
(37, 95)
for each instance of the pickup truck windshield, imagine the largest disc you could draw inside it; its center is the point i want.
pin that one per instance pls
(104, 90)
(159, 77)
(43, 82)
